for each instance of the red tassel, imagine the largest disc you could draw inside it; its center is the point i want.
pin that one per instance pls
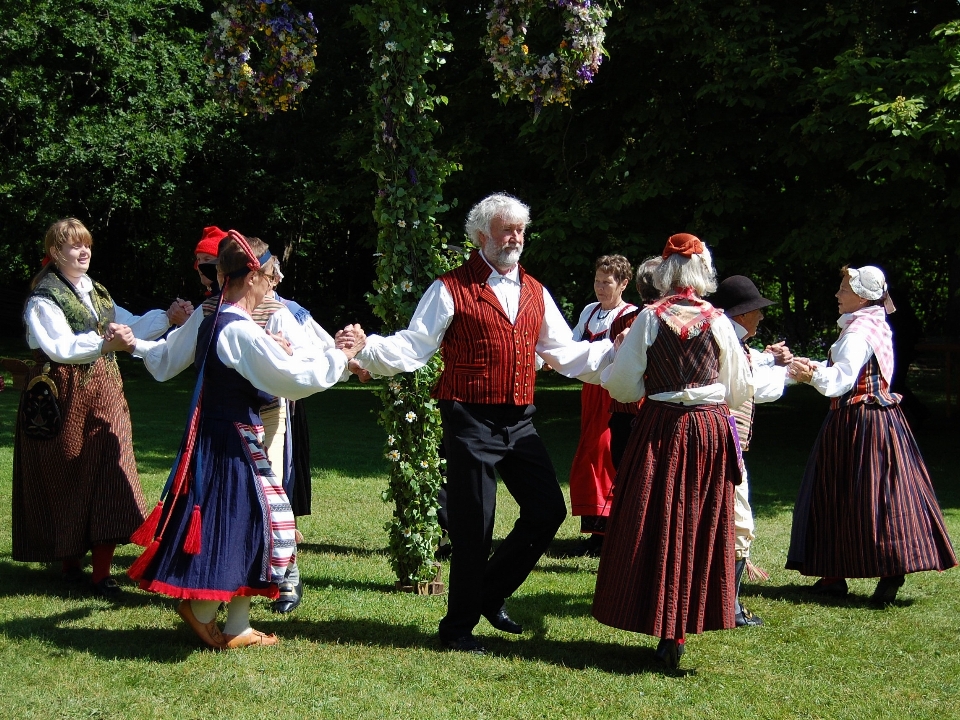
(191, 545)
(146, 532)
(140, 564)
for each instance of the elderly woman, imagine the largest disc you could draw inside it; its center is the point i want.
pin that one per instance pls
(78, 489)
(667, 565)
(866, 506)
(226, 530)
(591, 475)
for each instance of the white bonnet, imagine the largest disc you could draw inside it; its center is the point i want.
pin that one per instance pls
(868, 282)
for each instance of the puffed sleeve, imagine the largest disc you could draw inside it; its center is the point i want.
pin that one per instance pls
(734, 370)
(48, 330)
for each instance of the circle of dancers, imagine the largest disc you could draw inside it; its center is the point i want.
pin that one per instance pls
(659, 478)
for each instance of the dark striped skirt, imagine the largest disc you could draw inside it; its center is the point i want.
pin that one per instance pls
(80, 488)
(866, 506)
(667, 565)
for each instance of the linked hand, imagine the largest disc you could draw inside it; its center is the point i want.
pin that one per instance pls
(801, 370)
(781, 353)
(282, 342)
(118, 338)
(362, 375)
(350, 340)
(179, 311)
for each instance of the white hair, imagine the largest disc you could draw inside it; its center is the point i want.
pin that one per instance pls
(696, 272)
(499, 205)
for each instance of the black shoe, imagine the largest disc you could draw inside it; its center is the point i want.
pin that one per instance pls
(502, 622)
(669, 653)
(108, 588)
(886, 591)
(290, 597)
(466, 644)
(745, 618)
(830, 587)
(73, 575)
(590, 547)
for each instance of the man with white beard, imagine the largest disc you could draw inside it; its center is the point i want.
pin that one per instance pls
(490, 319)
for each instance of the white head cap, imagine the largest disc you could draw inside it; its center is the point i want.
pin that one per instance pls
(868, 282)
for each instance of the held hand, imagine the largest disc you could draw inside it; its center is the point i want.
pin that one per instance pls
(781, 353)
(177, 314)
(618, 340)
(362, 375)
(118, 338)
(350, 336)
(282, 342)
(801, 370)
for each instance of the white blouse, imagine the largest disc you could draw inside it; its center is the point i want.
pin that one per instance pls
(848, 355)
(601, 321)
(167, 358)
(624, 378)
(48, 329)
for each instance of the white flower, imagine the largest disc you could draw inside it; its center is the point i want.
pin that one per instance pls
(391, 46)
(384, 26)
(391, 439)
(410, 416)
(384, 59)
(394, 385)
(384, 287)
(401, 223)
(416, 223)
(385, 76)
(424, 464)
(397, 403)
(406, 286)
(393, 455)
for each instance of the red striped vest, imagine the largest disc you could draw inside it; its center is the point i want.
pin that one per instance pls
(871, 387)
(486, 359)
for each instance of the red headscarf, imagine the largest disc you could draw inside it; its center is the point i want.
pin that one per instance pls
(682, 244)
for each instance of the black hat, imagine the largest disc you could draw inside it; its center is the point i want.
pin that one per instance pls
(738, 295)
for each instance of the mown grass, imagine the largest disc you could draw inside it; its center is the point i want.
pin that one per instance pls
(357, 648)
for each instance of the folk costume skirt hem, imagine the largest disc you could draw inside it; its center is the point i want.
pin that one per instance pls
(592, 472)
(667, 564)
(866, 506)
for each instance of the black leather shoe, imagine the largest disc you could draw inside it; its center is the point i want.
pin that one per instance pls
(290, 597)
(669, 653)
(886, 591)
(108, 588)
(745, 618)
(830, 588)
(465, 643)
(502, 622)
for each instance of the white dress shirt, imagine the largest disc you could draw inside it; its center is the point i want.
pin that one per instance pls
(48, 329)
(768, 377)
(411, 349)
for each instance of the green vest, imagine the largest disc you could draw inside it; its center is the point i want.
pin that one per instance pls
(62, 293)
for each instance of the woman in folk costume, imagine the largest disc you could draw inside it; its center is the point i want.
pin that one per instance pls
(77, 489)
(866, 506)
(591, 475)
(225, 532)
(667, 566)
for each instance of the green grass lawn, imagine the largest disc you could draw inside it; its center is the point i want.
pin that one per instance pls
(357, 648)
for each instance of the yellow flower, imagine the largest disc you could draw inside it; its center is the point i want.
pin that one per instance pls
(504, 40)
(525, 49)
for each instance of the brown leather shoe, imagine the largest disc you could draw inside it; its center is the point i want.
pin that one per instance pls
(209, 632)
(249, 638)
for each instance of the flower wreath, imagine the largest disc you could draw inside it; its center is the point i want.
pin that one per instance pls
(548, 78)
(260, 54)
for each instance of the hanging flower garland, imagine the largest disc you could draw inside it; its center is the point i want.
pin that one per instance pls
(549, 78)
(260, 54)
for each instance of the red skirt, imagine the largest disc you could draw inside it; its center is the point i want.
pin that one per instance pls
(667, 565)
(592, 473)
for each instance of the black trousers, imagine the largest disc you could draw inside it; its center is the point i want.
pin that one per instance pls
(481, 440)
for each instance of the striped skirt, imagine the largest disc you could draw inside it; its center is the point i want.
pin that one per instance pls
(80, 488)
(667, 565)
(866, 506)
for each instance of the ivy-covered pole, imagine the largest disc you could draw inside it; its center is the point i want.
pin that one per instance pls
(406, 42)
